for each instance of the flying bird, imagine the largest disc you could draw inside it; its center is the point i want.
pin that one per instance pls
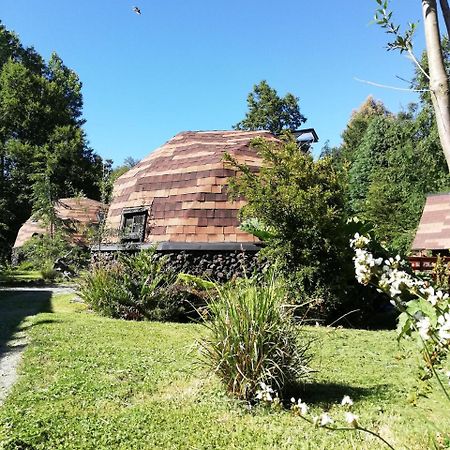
(137, 10)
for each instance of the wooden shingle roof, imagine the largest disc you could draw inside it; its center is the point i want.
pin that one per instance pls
(433, 232)
(80, 212)
(183, 186)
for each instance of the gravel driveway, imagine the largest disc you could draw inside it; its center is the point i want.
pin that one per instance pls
(15, 309)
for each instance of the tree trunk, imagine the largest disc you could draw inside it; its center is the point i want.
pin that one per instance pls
(440, 93)
(446, 13)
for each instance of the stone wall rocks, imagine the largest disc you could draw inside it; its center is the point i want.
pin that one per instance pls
(219, 266)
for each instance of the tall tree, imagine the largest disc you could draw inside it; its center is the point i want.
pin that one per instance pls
(437, 74)
(439, 86)
(398, 161)
(268, 111)
(393, 161)
(357, 127)
(40, 133)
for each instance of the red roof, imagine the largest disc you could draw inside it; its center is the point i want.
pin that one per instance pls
(433, 232)
(80, 211)
(183, 186)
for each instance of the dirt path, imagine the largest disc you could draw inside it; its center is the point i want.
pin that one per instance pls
(55, 290)
(17, 306)
(9, 362)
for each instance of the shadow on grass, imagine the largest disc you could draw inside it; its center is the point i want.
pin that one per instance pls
(326, 394)
(15, 306)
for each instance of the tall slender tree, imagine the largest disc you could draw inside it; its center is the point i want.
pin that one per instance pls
(436, 75)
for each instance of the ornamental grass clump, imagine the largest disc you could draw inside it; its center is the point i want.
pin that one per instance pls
(253, 339)
(136, 287)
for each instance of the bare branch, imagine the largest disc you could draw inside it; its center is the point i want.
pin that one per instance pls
(404, 79)
(417, 63)
(390, 87)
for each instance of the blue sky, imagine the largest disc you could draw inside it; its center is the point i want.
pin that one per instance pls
(189, 65)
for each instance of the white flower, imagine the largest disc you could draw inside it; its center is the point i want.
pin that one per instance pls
(359, 241)
(299, 406)
(439, 296)
(347, 401)
(393, 263)
(351, 419)
(395, 282)
(303, 407)
(426, 291)
(444, 328)
(364, 263)
(423, 326)
(265, 393)
(433, 297)
(429, 294)
(325, 419)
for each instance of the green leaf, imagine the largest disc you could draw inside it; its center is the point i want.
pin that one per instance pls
(404, 325)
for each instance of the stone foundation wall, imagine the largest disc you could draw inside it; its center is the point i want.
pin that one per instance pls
(215, 265)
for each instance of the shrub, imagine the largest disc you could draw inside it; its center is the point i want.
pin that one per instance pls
(137, 287)
(101, 288)
(48, 272)
(25, 266)
(441, 274)
(45, 250)
(297, 206)
(253, 339)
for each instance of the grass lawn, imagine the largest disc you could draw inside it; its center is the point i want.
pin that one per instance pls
(20, 277)
(89, 382)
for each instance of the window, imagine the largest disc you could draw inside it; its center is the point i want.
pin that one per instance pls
(133, 225)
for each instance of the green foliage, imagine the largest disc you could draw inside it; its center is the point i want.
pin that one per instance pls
(268, 111)
(137, 287)
(49, 273)
(302, 202)
(420, 81)
(40, 134)
(401, 41)
(397, 163)
(128, 163)
(393, 161)
(253, 339)
(42, 251)
(441, 274)
(257, 228)
(196, 282)
(357, 127)
(44, 200)
(381, 134)
(25, 266)
(53, 252)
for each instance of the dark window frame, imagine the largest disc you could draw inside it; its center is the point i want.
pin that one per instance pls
(134, 224)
